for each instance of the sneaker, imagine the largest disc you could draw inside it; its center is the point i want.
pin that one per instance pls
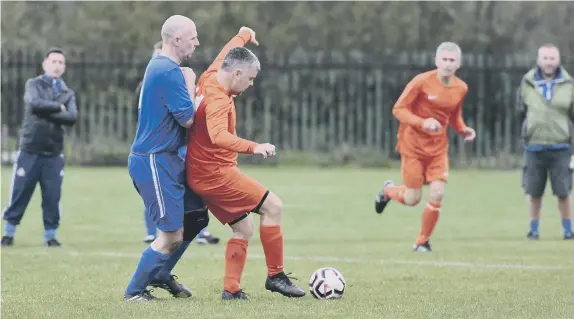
(381, 201)
(239, 295)
(143, 296)
(149, 239)
(282, 284)
(7, 241)
(532, 236)
(173, 287)
(422, 248)
(569, 236)
(53, 243)
(207, 239)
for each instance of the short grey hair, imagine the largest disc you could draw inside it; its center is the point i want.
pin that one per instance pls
(240, 57)
(448, 46)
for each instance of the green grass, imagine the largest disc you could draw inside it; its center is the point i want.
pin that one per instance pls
(479, 268)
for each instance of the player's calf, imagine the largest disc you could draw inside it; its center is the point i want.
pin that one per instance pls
(271, 210)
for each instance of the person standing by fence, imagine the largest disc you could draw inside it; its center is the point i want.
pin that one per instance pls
(49, 105)
(545, 101)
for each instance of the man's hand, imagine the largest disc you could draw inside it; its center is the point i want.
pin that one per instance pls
(252, 34)
(188, 74)
(264, 149)
(469, 134)
(431, 124)
(63, 108)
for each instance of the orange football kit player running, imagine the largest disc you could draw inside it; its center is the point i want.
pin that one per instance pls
(212, 171)
(430, 102)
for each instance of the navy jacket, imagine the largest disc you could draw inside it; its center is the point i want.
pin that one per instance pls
(42, 132)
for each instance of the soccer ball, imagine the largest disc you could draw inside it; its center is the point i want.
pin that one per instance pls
(327, 283)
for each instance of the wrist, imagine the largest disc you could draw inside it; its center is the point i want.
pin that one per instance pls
(244, 35)
(251, 147)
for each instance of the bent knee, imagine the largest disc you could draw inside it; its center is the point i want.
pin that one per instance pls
(244, 228)
(272, 206)
(412, 196)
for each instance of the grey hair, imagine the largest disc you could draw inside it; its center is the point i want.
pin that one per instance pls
(448, 46)
(240, 57)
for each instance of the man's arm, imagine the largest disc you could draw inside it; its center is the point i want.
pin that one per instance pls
(177, 97)
(456, 120)
(402, 109)
(217, 117)
(67, 117)
(519, 105)
(39, 105)
(242, 38)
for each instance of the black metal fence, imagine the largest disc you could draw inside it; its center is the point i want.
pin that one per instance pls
(322, 105)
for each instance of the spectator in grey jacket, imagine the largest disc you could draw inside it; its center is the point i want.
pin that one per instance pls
(49, 105)
(546, 102)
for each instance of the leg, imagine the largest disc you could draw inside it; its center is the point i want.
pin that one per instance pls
(51, 178)
(236, 257)
(229, 200)
(151, 229)
(408, 194)
(163, 199)
(271, 210)
(534, 177)
(561, 182)
(436, 174)
(194, 219)
(24, 179)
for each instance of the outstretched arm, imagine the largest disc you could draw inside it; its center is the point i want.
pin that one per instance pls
(404, 105)
(240, 40)
(217, 117)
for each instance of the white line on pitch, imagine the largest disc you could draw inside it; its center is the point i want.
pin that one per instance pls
(325, 259)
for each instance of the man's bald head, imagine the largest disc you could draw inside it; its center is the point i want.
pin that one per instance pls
(179, 37)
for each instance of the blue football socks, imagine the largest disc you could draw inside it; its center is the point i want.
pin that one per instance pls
(567, 226)
(165, 271)
(534, 226)
(149, 265)
(9, 230)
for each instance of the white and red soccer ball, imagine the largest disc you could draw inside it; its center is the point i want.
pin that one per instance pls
(327, 283)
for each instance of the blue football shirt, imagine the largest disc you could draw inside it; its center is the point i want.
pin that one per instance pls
(164, 107)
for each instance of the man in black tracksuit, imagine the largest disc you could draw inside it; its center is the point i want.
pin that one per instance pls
(49, 105)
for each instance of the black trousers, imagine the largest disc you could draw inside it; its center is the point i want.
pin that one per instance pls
(29, 169)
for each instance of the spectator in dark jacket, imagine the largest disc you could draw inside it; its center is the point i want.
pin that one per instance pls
(49, 105)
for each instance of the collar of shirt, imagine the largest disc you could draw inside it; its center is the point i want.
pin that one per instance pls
(55, 82)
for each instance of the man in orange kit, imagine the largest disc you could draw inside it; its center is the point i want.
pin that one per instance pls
(212, 171)
(430, 102)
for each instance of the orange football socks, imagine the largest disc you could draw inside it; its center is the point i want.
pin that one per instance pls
(235, 258)
(272, 241)
(430, 217)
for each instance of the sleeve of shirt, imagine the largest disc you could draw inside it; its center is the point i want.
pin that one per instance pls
(217, 117)
(402, 109)
(237, 41)
(176, 97)
(456, 120)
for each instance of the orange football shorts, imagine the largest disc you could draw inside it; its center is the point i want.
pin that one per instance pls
(230, 194)
(419, 171)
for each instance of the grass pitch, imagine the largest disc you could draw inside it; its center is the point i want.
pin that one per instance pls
(482, 266)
